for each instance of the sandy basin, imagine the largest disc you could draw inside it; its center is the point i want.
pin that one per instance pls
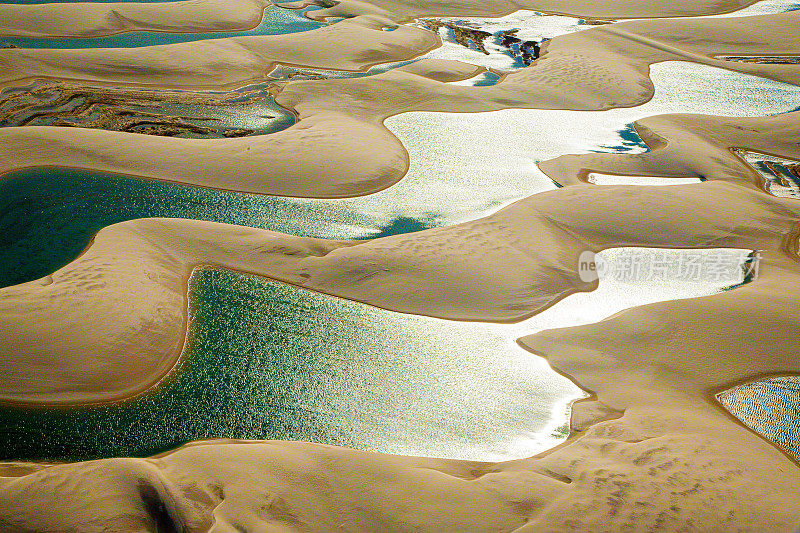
(650, 450)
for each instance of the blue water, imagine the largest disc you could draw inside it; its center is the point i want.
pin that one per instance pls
(771, 407)
(276, 21)
(486, 79)
(267, 360)
(629, 142)
(48, 216)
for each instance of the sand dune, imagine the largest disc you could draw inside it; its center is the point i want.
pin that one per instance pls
(665, 457)
(597, 69)
(95, 19)
(352, 44)
(501, 268)
(650, 451)
(681, 146)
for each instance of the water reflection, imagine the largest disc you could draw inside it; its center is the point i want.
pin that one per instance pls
(47, 216)
(271, 361)
(771, 407)
(488, 41)
(458, 182)
(781, 176)
(494, 50)
(267, 360)
(276, 21)
(612, 179)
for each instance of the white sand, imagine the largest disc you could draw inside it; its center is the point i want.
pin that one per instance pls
(672, 454)
(668, 455)
(651, 451)
(95, 19)
(320, 156)
(501, 268)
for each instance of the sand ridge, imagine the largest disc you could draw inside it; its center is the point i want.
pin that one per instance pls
(680, 146)
(502, 268)
(651, 451)
(596, 69)
(666, 453)
(95, 19)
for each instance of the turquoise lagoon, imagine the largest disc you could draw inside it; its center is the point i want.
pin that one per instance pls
(266, 360)
(276, 21)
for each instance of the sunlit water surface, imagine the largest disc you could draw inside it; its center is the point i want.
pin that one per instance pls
(451, 181)
(276, 21)
(265, 360)
(781, 176)
(270, 361)
(771, 407)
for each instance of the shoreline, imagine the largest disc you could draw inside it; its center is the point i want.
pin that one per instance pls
(103, 19)
(321, 107)
(186, 254)
(651, 448)
(325, 274)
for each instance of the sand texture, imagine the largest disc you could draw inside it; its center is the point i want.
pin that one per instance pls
(650, 450)
(596, 69)
(95, 19)
(667, 453)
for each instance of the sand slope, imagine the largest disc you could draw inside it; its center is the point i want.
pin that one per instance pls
(321, 155)
(651, 451)
(94, 19)
(666, 459)
(504, 267)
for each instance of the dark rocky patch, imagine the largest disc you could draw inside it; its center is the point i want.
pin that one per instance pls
(766, 60)
(525, 51)
(119, 109)
(461, 34)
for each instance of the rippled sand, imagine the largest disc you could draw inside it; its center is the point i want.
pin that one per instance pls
(651, 449)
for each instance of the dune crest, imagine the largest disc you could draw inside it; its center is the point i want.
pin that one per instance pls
(651, 450)
(596, 69)
(96, 19)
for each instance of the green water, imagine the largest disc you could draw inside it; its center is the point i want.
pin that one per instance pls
(266, 360)
(269, 361)
(276, 21)
(48, 216)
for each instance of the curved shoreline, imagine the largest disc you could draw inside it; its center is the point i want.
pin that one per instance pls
(414, 265)
(655, 452)
(342, 113)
